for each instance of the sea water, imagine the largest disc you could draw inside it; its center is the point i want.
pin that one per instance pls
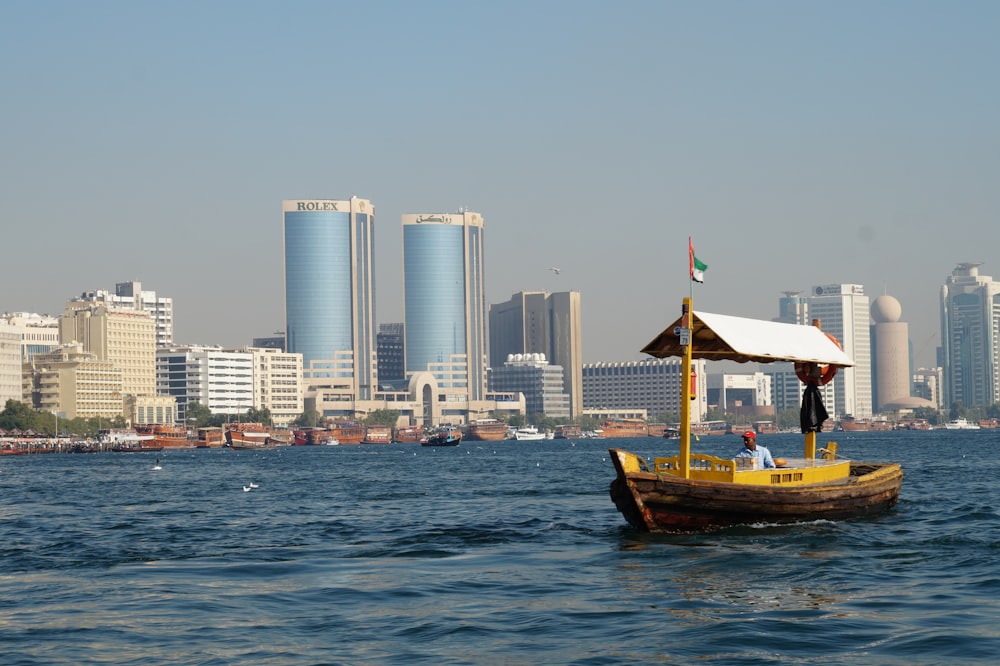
(485, 553)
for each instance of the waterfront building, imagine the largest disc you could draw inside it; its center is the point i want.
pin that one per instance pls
(10, 363)
(539, 381)
(970, 321)
(546, 323)
(277, 381)
(391, 353)
(39, 333)
(843, 311)
(927, 384)
(150, 409)
(126, 338)
(131, 296)
(745, 396)
(73, 382)
(444, 301)
(890, 353)
(651, 385)
(220, 379)
(330, 292)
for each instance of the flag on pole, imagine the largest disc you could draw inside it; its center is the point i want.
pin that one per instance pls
(697, 268)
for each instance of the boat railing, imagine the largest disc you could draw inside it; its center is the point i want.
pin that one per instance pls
(703, 466)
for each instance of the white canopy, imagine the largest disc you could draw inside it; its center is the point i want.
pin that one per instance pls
(718, 337)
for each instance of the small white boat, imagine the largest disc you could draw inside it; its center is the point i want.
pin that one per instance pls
(528, 433)
(961, 424)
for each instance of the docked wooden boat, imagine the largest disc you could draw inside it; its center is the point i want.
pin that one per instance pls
(165, 436)
(377, 434)
(692, 492)
(624, 428)
(487, 430)
(444, 436)
(568, 432)
(409, 434)
(248, 436)
(347, 432)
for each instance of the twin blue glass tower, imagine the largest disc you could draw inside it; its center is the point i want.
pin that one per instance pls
(330, 296)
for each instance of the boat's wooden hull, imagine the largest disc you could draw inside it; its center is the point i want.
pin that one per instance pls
(662, 503)
(487, 434)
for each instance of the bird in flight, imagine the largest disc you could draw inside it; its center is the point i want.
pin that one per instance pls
(554, 270)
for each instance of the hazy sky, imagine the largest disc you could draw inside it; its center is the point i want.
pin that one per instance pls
(799, 143)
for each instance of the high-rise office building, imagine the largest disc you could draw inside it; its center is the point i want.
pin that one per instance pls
(330, 292)
(539, 381)
(220, 379)
(970, 337)
(539, 322)
(391, 353)
(843, 311)
(444, 301)
(793, 308)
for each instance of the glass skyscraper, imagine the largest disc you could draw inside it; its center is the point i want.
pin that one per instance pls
(970, 337)
(330, 291)
(444, 300)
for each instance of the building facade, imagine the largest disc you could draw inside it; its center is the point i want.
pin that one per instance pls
(843, 311)
(890, 353)
(652, 385)
(131, 296)
(39, 333)
(277, 381)
(391, 344)
(543, 323)
(970, 337)
(539, 381)
(10, 363)
(72, 382)
(330, 291)
(444, 301)
(126, 338)
(220, 379)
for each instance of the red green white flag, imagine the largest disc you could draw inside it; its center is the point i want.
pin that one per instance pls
(696, 267)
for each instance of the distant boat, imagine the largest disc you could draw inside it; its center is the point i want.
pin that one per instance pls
(528, 433)
(624, 428)
(444, 436)
(409, 434)
(568, 432)
(487, 430)
(377, 434)
(961, 424)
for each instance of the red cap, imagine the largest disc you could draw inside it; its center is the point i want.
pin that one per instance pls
(751, 434)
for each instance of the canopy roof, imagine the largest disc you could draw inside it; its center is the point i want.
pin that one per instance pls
(718, 337)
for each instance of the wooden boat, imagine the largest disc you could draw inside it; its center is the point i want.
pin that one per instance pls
(624, 428)
(568, 432)
(377, 434)
(487, 430)
(347, 432)
(409, 434)
(444, 436)
(166, 436)
(209, 438)
(248, 436)
(691, 492)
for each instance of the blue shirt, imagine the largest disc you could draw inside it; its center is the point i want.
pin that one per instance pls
(763, 456)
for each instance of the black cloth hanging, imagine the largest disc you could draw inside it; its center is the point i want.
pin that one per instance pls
(813, 413)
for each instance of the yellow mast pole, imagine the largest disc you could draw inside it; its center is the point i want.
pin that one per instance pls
(685, 453)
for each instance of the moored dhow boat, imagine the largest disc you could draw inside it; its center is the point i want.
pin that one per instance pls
(487, 430)
(693, 492)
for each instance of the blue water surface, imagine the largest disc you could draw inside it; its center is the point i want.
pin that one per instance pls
(486, 553)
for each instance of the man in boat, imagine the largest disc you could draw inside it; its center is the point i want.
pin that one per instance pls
(751, 450)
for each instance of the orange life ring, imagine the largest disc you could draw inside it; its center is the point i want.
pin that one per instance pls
(810, 373)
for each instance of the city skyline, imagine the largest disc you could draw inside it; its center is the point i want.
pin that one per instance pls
(798, 145)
